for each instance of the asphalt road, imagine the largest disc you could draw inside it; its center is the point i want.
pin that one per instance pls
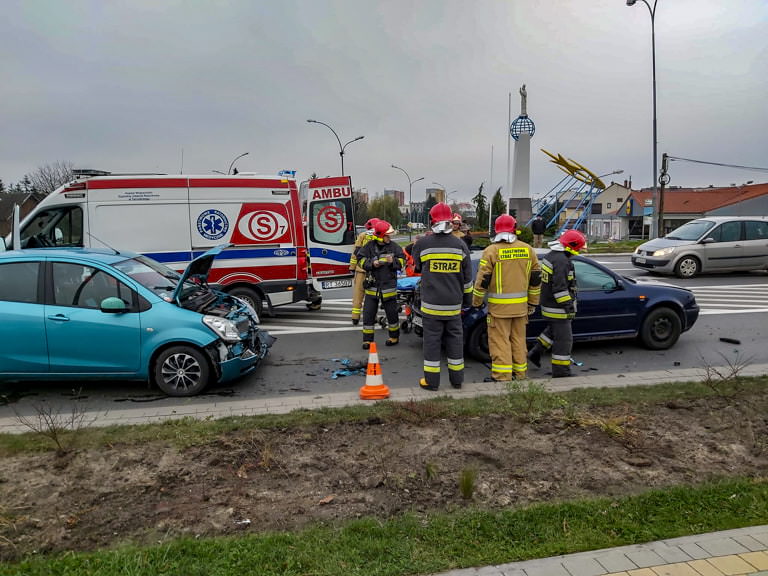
(312, 346)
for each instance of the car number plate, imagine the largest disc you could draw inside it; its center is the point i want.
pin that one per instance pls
(343, 283)
(416, 320)
(640, 260)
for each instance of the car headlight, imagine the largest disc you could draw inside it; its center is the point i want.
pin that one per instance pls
(225, 329)
(664, 251)
(637, 250)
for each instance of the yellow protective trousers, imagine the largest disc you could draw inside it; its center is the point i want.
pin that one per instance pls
(506, 343)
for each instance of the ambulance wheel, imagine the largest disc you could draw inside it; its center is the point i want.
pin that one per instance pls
(418, 330)
(405, 326)
(251, 296)
(181, 371)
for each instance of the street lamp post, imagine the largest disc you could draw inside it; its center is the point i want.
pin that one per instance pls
(342, 147)
(235, 160)
(657, 223)
(410, 198)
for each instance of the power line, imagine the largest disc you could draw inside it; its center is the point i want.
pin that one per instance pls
(756, 168)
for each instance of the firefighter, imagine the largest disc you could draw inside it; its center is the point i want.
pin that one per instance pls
(446, 288)
(509, 273)
(558, 302)
(357, 282)
(381, 259)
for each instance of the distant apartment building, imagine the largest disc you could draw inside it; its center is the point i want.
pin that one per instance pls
(362, 194)
(399, 195)
(437, 193)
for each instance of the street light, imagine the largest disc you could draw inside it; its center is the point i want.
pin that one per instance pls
(442, 187)
(341, 147)
(656, 226)
(235, 160)
(410, 197)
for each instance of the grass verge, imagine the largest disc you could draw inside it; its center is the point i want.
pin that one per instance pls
(427, 544)
(524, 401)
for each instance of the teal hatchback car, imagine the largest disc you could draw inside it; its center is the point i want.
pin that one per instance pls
(71, 314)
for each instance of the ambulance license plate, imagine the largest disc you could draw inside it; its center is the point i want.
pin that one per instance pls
(343, 283)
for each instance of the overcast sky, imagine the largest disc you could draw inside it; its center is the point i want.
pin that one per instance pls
(137, 86)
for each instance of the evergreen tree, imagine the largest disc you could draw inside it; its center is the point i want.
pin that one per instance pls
(2, 186)
(481, 208)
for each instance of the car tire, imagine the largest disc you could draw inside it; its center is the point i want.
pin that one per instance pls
(477, 343)
(661, 328)
(181, 371)
(251, 296)
(687, 267)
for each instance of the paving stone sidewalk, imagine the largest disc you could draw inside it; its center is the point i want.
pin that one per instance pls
(739, 552)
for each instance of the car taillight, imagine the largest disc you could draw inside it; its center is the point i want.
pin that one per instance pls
(301, 273)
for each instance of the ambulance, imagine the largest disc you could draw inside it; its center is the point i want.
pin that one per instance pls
(286, 245)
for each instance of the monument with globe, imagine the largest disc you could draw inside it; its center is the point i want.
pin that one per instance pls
(522, 130)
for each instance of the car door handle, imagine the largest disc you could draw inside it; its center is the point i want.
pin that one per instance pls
(59, 318)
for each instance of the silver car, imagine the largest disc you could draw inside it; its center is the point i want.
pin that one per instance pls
(713, 244)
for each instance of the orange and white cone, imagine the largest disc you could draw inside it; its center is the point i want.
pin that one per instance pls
(374, 387)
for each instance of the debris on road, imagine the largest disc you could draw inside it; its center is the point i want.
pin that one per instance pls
(730, 340)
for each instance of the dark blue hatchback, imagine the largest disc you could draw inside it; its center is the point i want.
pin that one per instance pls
(609, 306)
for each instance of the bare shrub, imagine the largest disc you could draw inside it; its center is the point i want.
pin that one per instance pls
(59, 425)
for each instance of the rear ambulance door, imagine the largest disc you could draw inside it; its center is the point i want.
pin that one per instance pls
(330, 231)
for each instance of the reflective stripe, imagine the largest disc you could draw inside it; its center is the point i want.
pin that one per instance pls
(546, 265)
(520, 367)
(361, 262)
(371, 292)
(432, 369)
(561, 360)
(501, 368)
(432, 312)
(393, 327)
(441, 307)
(432, 363)
(536, 290)
(356, 310)
(456, 367)
(455, 361)
(440, 256)
(522, 300)
(479, 292)
(367, 330)
(545, 340)
(441, 252)
(483, 261)
(555, 315)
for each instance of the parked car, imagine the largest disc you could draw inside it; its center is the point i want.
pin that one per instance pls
(76, 313)
(714, 244)
(609, 306)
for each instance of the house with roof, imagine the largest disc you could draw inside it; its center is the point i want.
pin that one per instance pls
(26, 201)
(633, 217)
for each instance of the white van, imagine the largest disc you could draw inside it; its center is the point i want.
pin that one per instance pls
(285, 246)
(713, 244)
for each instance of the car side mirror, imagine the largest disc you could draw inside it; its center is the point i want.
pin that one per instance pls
(113, 305)
(708, 240)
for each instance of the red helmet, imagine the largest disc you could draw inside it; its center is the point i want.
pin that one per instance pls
(456, 217)
(382, 228)
(440, 212)
(371, 223)
(505, 223)
(573, 241)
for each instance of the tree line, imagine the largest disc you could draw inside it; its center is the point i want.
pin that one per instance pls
(43, 180)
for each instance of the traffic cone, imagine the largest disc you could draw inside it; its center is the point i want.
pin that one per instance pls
(374, 387)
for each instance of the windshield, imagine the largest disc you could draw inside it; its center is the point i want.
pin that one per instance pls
(153, 275)
(691, 231)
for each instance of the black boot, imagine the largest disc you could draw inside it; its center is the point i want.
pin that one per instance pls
(534, 356)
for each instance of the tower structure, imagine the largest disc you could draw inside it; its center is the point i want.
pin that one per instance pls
(522, 130)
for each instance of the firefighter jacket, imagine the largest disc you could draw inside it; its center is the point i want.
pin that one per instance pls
(385, 275)
(362, 239)
(509, 273)
(558, 288)
(446, 274)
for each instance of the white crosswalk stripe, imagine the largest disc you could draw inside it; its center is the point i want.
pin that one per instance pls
(732, 298)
